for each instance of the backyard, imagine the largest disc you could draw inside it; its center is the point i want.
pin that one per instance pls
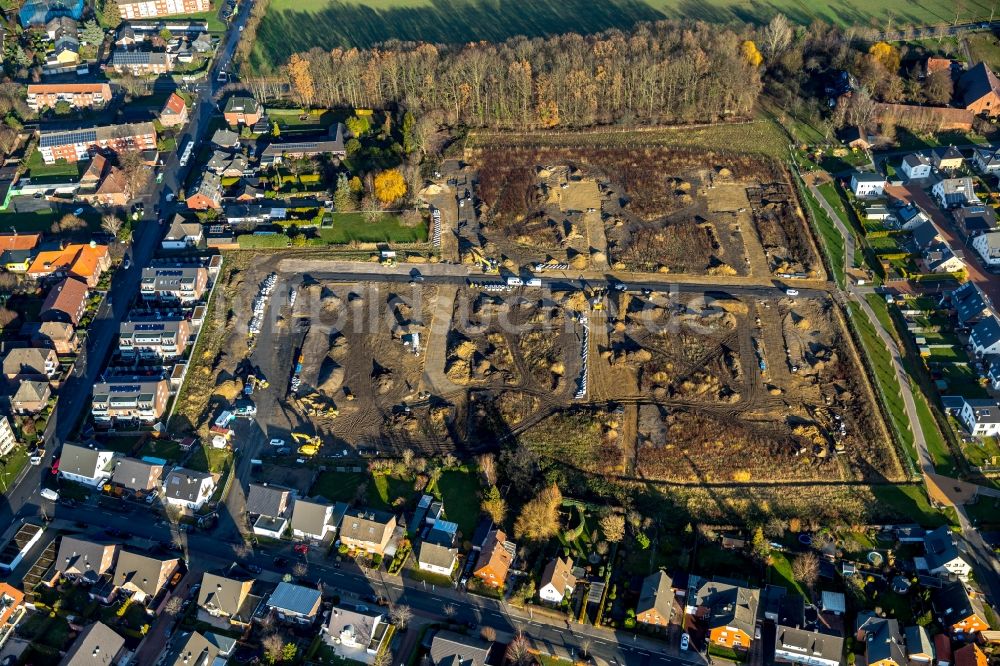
(459, 490)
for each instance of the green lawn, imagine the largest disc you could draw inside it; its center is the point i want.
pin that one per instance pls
(167, 449)
(780, 573)
(983, 451)
(264, 242)
(460, 493)
(298, 25)
(211, 17)
(347, 227)
(885, 374)
(339, 486)
(948, 355)
(910, 501)
(832, 240)
(985, 513)
(13, 463)
(385, 491)
(40, 172)
(985, 47)
(209, 459)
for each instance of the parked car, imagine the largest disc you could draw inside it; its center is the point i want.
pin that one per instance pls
(277, 442)
(49, 494)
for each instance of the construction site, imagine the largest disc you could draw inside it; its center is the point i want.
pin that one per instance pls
(652, 210)
(745, 384)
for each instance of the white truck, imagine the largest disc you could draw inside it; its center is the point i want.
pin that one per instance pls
(514, 282)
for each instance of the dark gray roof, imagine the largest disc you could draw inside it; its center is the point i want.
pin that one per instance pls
(452, 649)
(730, 605)
(924, 234)
(242, 103)
(77, 459)
(96, 645)
(294, 599)
(868, 177)
(134, 474)
(366, 525)
(84, 558)
(882, 639)
(333, 143)
(939, 548)
(986, 332)
(309, 516)
(952, 603)
(184, 484)
(657, 592)
(915, 159)
(225, 138)
(265, 500)
(917, 641)
(126, 58)
(142, 571)
(968, 301)
(810, 644)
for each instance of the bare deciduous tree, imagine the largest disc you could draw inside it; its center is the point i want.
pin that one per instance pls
(273, 645)
(776, 36)
(488, 634)
(400, 615)
(805, 568)
(111, 224)
(519, 650)
(488, 466)
(449, 610)
(137, 172)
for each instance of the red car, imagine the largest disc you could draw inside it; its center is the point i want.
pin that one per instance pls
(301, 548)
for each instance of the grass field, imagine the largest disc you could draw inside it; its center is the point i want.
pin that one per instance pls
(910, 501)
(298, 25)
(985, 47)
(460, 493)
(61, 171)
(347, 227)
(831, 240)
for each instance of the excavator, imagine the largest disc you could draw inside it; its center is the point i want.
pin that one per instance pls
(488, 264)
(310, 445)
(254, 383)
(313, 405)
(595, 297)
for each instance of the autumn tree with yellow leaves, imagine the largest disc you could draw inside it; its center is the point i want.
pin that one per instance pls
(751, 54)
(390, 186)
(302, 79)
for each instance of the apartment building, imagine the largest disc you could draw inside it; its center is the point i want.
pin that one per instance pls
(156, 8)
(76, 145)
(163, 338)
(141, 399)
(179, 283)
(77, 95)
(140, 63)
(7, 438)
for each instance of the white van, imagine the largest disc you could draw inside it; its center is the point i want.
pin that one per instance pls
(50, 494)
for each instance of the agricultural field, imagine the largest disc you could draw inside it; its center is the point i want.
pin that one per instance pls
(298, 25)
(653, 209)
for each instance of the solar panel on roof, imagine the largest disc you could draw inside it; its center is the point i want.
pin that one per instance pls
(149, 327)
(67, 138)
(127, 388)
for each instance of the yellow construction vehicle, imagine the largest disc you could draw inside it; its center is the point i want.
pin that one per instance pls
(387, 258)
(488, 264)
(310, 445)
(595, 297)
(313, 405)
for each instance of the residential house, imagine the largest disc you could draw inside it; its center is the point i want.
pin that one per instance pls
(125, 399)
(182, 234)
(192, 649)
(557, 580)
(295, 603)
(270, 505)
(144, 9)
(228, 598)
(916, 165)
(958, 613)
(313, 519)
(987, 246)
(970, 655)
(247, 191)
(795, 645)
(174, 112)
(77, 145)
(856, 137)
(84, 262)
(919, 648)
(866, 185)
(985, 336)
(227, 164)
(367, 530)
(78, 95)
(880, 213)
(187, 488)
(18, 250)
(656, 600)
(87, 465)
(986, 160)
(7, 438)
(941, 555)
(224, 138)
(112, 190)
(12, 611)
(30, 397)
(942, 649)
(882, 640)
(139, 476)
(948, 159)
(182, 283)
(65, 36)
(31, 363)
(911, 217)
(980, 416)
(255, 213)
(729, 613)
(207, 192)
(56, 335)
(436, 557)
(494, 560)
(954, 192)
(333, 144)
(96, 645)
(85, 561)
(242, 109)
(165, 337)
(66, 302)
(968, 303)
(979, 91)
(357, 634)
(940, 258)
(975, 220)
(142, 577)
(452, 649)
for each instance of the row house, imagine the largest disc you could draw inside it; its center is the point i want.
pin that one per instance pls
(141, 62)
(77, 145)
(130, 399)
(65, 303)
(35, 363)
(186, 284)
(160, 338)
(78, 95)
(155, 8)
(17, 251)
(55, 335)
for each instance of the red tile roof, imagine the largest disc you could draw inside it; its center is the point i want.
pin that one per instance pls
(174, 104)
